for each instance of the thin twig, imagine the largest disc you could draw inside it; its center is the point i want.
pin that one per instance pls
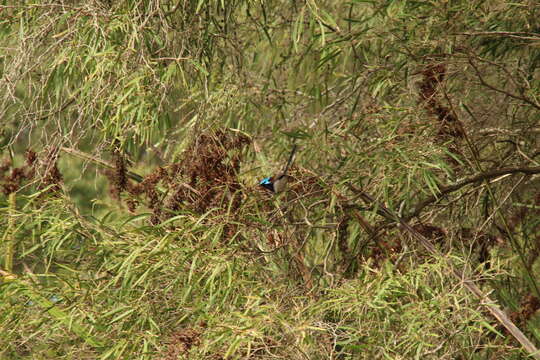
(507, 93)
(95, 160)
(510, 34)
(488, 175)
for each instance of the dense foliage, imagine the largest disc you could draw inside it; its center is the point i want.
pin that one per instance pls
(134, 134)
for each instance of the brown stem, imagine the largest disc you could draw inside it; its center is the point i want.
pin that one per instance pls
(446, 189)
(485, 300)
(507, 93)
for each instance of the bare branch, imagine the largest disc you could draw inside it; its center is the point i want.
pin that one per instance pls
(447, 189)
(507, 93)
(485, 300)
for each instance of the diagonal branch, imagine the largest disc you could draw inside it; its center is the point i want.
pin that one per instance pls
(447, 189)
(507, 93)
(484, 299)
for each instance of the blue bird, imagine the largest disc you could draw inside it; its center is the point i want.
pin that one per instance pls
(278, 183)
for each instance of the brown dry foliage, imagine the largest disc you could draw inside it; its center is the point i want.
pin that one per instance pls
(18, 175)
(180, 343)
(433, 76)
(49, 173)
(206, 176)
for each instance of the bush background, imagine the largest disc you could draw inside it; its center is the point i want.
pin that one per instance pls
(184, 257)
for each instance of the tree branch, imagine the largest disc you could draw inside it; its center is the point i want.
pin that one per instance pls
(490, 304)
(507, 93)
(447, 189)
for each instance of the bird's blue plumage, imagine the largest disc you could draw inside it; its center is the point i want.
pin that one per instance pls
(278, 183)
(267, 183)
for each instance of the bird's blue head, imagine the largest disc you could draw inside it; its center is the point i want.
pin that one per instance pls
(267, 183)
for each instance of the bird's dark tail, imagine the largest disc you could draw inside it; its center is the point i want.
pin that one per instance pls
(291, 159)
